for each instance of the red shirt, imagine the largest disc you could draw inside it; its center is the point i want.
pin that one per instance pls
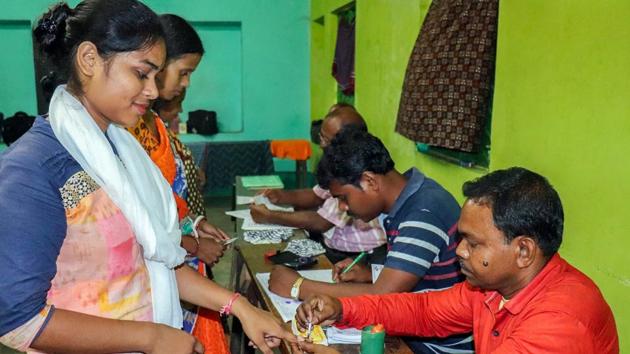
(560, 311)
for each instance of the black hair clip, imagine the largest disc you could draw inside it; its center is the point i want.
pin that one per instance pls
(49, 25)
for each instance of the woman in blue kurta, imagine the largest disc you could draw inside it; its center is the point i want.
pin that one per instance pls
(92, 259)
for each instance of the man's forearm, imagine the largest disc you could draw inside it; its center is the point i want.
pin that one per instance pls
(432, 314)
(304, 219)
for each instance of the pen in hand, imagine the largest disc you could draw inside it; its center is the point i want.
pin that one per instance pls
(309, 329)
(356, 260)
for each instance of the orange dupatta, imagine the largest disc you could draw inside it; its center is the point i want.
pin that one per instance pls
(159, 149)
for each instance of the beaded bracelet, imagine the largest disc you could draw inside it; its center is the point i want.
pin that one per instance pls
(227, 308)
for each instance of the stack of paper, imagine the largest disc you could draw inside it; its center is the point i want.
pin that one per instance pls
(259, 182)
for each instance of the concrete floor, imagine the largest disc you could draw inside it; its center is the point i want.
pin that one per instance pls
(215, 210)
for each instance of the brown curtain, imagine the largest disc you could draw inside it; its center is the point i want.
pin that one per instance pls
(447, 91)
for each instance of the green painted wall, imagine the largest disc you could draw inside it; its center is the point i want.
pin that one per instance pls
(255, 73)
(560, 108)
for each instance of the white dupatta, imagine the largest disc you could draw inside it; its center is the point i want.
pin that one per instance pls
(136, 186)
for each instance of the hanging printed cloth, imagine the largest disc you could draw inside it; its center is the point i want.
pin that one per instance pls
(343, 65)
(447, 90)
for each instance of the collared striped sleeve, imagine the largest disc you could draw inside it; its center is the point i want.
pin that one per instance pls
(420, 239)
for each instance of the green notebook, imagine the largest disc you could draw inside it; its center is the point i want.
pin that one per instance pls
(257, 182)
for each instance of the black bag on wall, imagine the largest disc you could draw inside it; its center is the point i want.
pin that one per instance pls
(202, 122)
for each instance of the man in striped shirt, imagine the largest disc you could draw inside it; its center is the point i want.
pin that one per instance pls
(420, 224)
(343, 235)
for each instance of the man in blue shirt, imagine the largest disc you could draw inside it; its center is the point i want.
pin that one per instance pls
(420, 223)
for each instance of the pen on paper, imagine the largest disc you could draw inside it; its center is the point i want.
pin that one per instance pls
(356, 260)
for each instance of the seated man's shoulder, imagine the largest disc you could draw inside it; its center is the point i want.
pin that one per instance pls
(575, 295)
(434, 195)
(420, 212)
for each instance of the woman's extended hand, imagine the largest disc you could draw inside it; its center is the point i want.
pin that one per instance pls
(206, 229)
(264, 330)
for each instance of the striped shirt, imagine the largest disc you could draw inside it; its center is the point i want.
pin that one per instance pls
(349, 234)
(421, 235)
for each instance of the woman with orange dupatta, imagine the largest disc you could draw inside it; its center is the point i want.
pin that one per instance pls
(202, 241)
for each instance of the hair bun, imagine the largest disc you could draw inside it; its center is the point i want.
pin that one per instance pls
(51, 28)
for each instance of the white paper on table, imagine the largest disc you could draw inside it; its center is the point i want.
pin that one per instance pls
(286, 306)
(343, 336)
(250, 225)
(261, 199)
(240, 214)
(241, 199)
(376, 271)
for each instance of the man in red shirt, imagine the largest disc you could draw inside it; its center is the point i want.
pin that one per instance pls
(519, 296)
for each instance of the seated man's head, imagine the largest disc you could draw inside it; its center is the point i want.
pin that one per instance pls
(511, 224)
(353, 168)
(339, 116)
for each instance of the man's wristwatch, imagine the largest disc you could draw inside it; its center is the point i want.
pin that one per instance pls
(295, 289)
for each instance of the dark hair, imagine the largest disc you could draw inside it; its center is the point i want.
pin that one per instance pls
(180, 37)
(352, 152)
(316, 126)
(522, 203)
(114, 26)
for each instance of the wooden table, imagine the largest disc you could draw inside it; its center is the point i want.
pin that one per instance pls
(247, 262)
